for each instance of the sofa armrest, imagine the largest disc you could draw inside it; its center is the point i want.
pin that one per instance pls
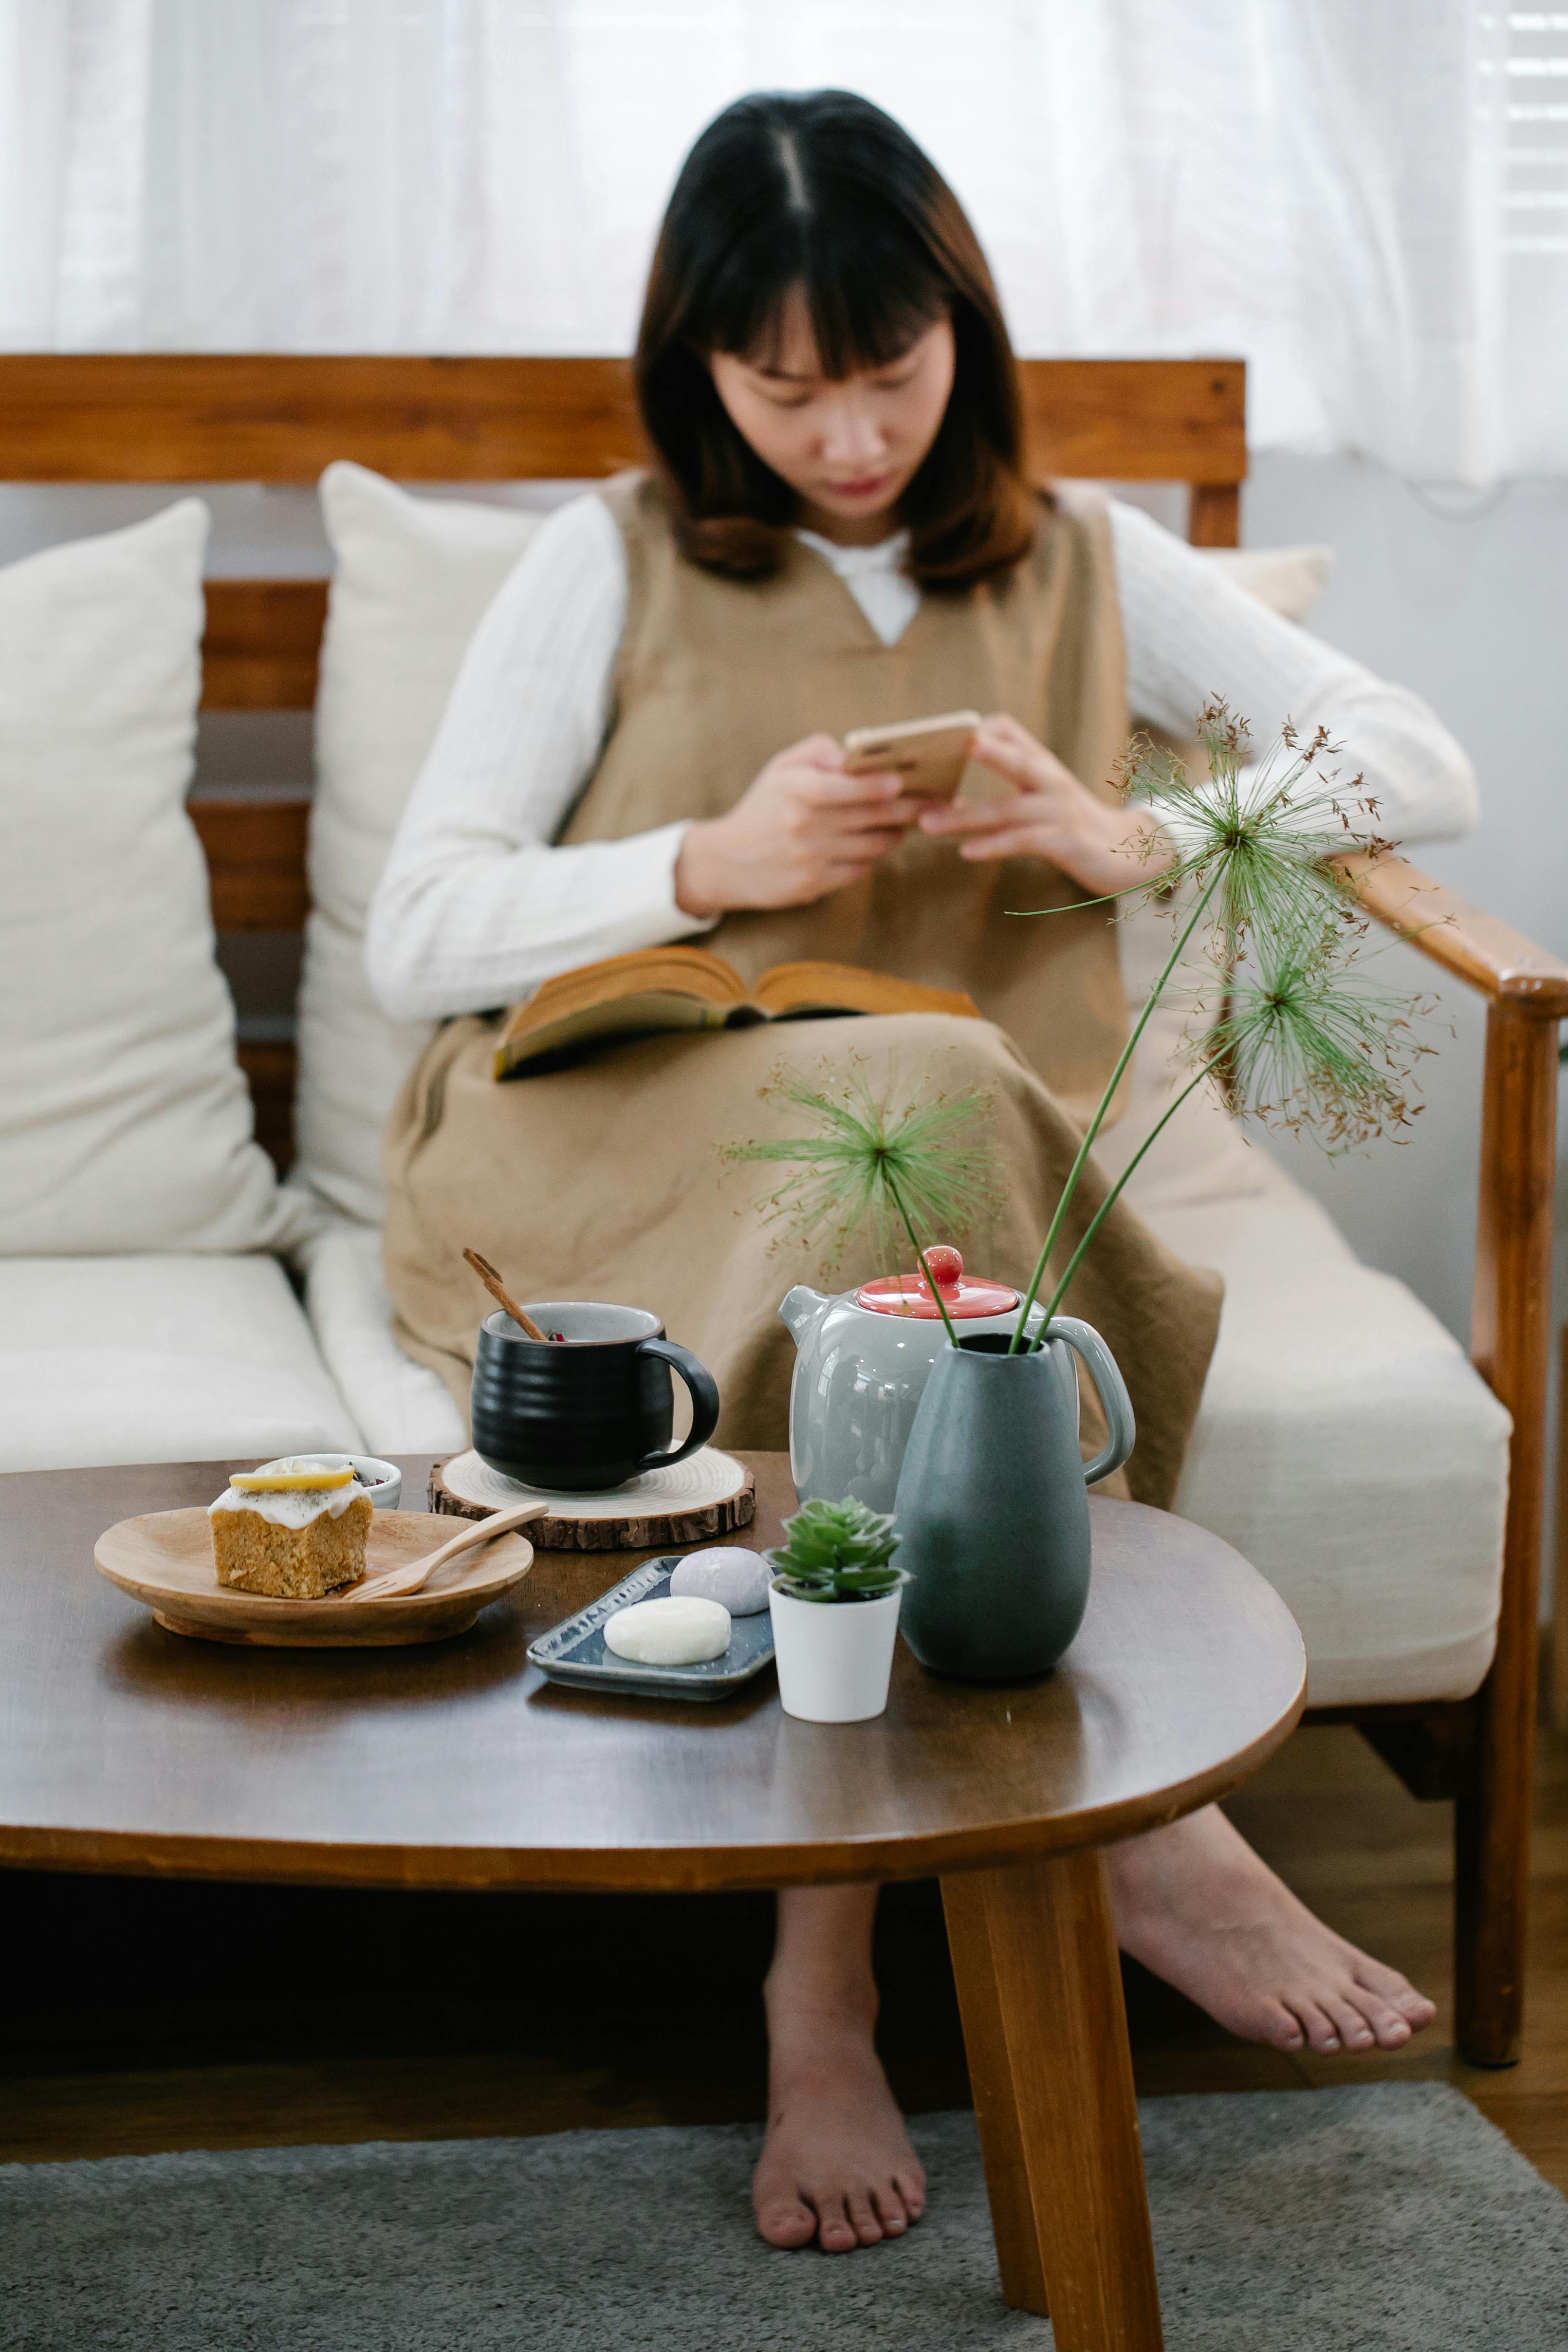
(1527, 994)
(1475, 947)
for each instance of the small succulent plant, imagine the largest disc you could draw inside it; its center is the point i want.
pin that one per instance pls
(837, 1552)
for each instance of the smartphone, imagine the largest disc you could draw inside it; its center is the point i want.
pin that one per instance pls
(929, 754)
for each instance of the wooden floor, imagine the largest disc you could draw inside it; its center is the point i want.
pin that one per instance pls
(141, 2017)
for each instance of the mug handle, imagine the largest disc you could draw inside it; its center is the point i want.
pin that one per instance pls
(704, 1390)
(1106, 1375)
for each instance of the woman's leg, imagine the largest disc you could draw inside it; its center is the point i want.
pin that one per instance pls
(837, 2165)
(1197, 1906)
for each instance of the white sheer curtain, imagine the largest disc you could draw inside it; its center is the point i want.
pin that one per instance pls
(1367, 198)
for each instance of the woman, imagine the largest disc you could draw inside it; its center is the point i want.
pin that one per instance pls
(642, 746)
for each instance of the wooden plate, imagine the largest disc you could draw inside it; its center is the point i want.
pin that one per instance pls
(165, 1558)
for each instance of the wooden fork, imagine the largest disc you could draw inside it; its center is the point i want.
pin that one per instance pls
(397, 1582)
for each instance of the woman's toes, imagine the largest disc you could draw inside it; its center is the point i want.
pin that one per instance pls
(864, 2220)
(789, 2223)
(890, 2211)
(1352, 2028)
(1322, 2034)
(1394, 1992)
(835, 2231)
(1276, 2025)
(910, 2189)
(1384, 2026)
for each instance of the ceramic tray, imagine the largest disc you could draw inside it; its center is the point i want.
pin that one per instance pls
(575, 1652)
(165, 1560)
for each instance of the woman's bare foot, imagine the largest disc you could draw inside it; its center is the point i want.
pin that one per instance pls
(1196, 1904)
(837, 2165)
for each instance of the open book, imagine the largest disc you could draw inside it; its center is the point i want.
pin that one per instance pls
(663, 989)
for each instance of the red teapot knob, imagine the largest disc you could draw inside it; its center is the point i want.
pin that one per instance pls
(947, 1268)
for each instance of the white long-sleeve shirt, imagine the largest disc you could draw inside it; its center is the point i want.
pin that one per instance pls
(478, 905)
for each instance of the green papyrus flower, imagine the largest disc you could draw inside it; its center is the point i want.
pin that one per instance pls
(918, 1168)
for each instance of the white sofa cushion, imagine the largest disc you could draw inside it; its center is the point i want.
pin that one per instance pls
(411, 581)
(125, 1123)
(159, 1358)
(1346, 1447)
(403, 1407)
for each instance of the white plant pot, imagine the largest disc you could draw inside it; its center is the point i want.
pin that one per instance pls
(834, 1657)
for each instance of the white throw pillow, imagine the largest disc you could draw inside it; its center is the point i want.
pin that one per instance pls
(412, 581)
(125, 1123)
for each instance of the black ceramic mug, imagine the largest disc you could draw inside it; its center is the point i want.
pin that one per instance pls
(587, 1411)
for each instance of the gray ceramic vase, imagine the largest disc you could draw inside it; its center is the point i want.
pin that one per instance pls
(993, 1516)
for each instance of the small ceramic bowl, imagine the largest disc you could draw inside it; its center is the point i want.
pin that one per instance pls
(380, 1480)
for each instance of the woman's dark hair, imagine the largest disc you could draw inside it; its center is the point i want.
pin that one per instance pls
(826, 192)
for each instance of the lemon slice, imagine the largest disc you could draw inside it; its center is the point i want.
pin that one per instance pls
(287, 1481)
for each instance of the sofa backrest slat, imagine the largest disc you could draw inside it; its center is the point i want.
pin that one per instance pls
(262, 644)
(277, 418)
(255, 861)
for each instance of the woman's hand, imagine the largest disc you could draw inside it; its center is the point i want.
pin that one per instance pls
(1051, 816)
(799, 831)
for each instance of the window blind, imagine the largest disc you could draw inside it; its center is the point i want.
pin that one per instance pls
(1532, 91)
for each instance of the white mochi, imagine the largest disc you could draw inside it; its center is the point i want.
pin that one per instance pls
(669, 1632)
(740, 1580)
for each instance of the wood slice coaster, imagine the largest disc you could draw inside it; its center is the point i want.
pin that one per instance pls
(710, 1493)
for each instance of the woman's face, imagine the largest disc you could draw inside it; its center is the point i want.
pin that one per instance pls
(848, 450)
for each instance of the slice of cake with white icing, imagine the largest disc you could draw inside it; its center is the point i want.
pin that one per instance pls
(292, 1531)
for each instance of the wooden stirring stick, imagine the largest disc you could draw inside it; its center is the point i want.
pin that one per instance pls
(497, 1289)
(396, 1583)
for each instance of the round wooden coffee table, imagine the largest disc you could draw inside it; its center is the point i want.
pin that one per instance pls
(124, 1747)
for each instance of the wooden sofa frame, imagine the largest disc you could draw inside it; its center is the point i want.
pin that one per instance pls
(282, 419)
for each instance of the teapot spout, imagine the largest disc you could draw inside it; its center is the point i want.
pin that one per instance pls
(800, 1309)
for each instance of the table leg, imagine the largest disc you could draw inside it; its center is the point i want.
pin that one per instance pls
(1039, 1988)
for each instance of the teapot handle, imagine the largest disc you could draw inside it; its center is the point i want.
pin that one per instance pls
(1105, 1373)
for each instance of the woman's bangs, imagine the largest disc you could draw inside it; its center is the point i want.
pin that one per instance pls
(865, 316)
(867, 304)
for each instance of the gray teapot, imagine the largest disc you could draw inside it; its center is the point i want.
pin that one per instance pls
(862, 1359)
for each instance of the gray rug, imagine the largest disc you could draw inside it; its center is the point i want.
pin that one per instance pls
(1389, 2219)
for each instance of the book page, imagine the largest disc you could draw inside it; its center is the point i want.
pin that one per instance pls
(792, 991)
(652, 1013)
(684, 970)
